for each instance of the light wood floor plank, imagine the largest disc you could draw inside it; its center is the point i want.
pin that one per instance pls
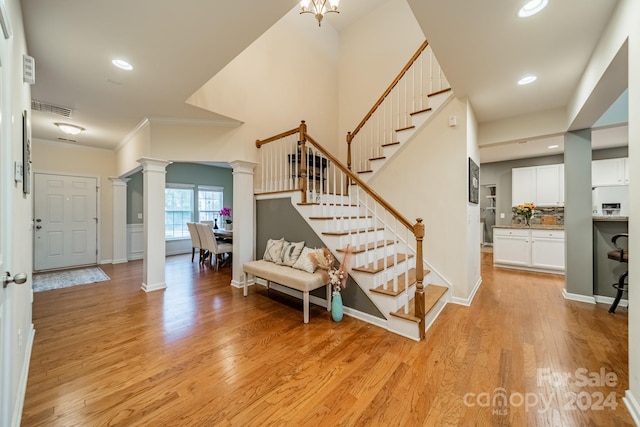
(199, 353)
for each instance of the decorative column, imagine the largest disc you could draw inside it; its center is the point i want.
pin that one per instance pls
(119, 231)
(153, 185)
(244, 239)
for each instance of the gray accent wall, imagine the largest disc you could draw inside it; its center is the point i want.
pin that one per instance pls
(578, 222)
(180, 173)
(277, 218)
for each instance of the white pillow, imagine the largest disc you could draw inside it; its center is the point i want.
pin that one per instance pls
(274, 250)
(304, 262)
(290, 253)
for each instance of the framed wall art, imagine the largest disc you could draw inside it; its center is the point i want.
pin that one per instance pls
(474, 181)
(26, 154)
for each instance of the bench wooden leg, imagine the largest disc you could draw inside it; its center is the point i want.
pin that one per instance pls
(246, 279)
(305, 302)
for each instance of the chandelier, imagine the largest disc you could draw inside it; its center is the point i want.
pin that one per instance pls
(319, 8)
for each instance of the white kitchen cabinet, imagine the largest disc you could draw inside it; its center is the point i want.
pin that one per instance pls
(609, 172)
(511, 246)
(541, 185)
(550, 185)
(547, 249)
(523, 185)
(529, 249)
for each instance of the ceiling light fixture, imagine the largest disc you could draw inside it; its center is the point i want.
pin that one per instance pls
(319, 8)
(527, 80)
(553, 146)
(122, 64)
(532, 7)
(69, 129)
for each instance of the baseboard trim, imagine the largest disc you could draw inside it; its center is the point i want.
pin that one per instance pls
(578, 297)
(119, 261)
(24, 376)
(633, 406)
(155, 287)
(467, 301)
(601, 299)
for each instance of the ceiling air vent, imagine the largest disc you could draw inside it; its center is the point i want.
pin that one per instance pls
(50, 108)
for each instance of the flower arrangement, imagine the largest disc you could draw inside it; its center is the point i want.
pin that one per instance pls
(525, 210)
(325, 261)
(226, 212)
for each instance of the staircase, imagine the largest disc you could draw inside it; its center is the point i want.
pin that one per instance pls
(388, 262)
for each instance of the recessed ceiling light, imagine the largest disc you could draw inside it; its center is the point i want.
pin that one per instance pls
(532, 7)
(122, 64)
(69, 129)
(526, 80)
(553, 146)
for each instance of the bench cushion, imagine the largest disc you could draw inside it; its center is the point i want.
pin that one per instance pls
(287, 276)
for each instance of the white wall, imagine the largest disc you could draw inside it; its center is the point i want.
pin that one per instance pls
(17, 228)
(287, 75)
(70, 159)
(428, 179)
(370, 60)
(525, 127)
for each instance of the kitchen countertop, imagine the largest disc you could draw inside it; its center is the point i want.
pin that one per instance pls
(610, 218)
(533, 227)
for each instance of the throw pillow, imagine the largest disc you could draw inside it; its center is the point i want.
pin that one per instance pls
(304, 262)
(290, 253)
(274, 250)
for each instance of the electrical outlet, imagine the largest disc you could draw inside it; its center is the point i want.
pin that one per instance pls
(20, 339)
(139, 216)
(501, 215)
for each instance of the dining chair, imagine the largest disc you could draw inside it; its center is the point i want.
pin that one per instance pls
(195, 240)
(211, 246)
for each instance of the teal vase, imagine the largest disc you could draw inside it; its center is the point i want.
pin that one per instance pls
(336, 307)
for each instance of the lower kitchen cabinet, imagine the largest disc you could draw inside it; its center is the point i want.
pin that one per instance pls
(529, 249)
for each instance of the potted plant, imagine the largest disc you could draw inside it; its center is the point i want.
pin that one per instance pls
(225, 213)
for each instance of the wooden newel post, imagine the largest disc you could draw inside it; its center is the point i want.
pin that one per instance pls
(419, 300)
(303, 160)
(349, 138)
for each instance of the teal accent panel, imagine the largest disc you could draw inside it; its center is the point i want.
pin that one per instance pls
(277, 218)
(181, 173)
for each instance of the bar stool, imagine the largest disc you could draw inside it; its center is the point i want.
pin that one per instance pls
(620, 255)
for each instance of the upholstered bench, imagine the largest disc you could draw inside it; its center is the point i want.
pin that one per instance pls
(289, 277)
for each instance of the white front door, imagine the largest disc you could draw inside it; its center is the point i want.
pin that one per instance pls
(65, 221)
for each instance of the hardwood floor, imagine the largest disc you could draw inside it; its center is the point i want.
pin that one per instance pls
(201, 354)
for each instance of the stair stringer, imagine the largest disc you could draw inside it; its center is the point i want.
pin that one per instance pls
(419, 121)
(386, 304)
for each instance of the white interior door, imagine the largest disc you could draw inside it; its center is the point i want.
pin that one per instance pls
(65, 215)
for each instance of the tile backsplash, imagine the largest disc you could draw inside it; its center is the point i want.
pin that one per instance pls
(543, 215)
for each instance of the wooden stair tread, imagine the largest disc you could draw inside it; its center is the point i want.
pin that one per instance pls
(378, 266)
(339, 217)
(367, 171)
(401, 284)
(327, 204)
(438, 92)
(377, 158)
(371, 246)
(346, 232)
(389, 144)
(420, 111)
(405, 128)
(432, 294)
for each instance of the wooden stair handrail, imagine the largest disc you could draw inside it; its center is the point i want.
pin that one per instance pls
(261, 142)
(386, 93)
(362, 184)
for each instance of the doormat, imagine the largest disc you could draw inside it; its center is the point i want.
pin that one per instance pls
(68, 278)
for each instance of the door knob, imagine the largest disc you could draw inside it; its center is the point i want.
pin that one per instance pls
(38, 227)
(18, 279)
